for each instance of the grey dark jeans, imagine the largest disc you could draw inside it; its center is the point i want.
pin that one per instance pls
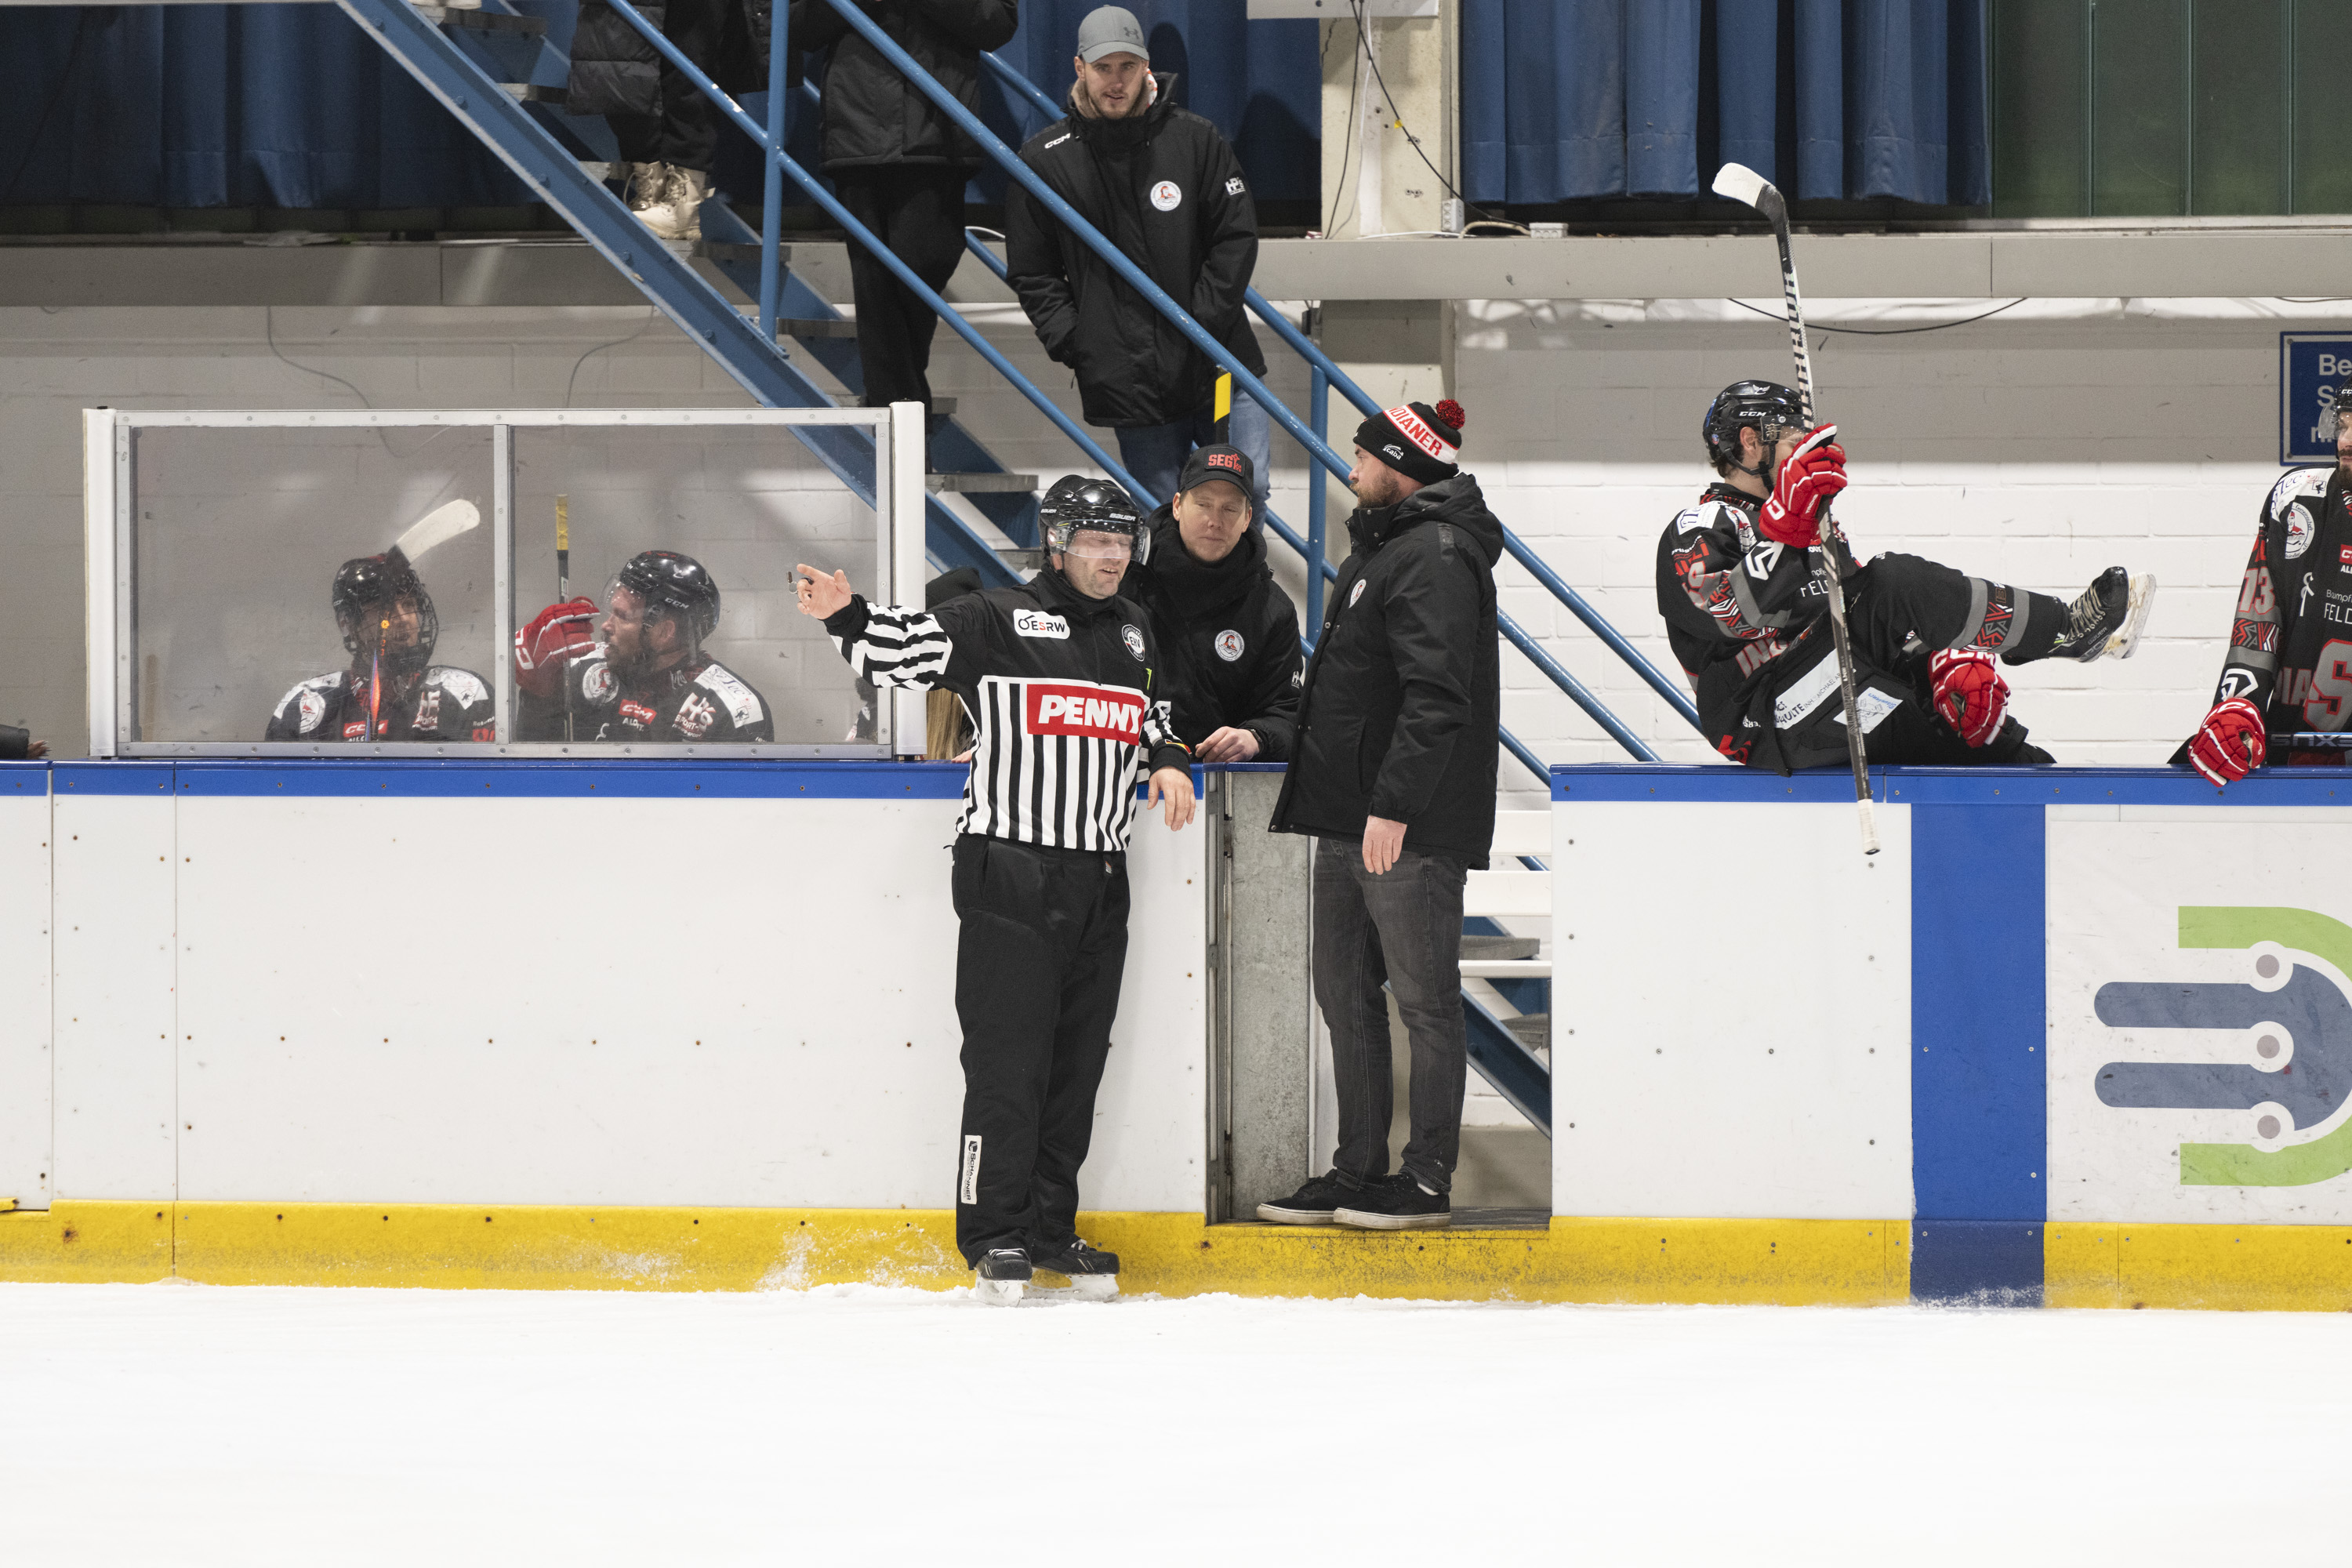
(1404, 929)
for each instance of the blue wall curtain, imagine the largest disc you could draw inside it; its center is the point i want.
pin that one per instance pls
(197, 106)
(1568, 100)
(289, 105)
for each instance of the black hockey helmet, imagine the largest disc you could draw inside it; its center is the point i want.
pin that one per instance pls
(1098, 506)
(1766, 405)
(673, 585)
(364, 589)
(2338, 408)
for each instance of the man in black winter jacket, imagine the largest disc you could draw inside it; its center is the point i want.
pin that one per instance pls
(1162, 186)
(1394, 774)
(899, 165)
(1227, 632)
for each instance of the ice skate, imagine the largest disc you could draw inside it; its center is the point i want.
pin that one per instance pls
(1000, 1279)
(2105, 621)
(1089, 1274)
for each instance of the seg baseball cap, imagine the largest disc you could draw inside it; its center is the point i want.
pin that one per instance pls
(1111, 30)
(1229, 464)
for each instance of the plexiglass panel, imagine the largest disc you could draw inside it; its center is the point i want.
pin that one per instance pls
(699, 642)
(271, 599)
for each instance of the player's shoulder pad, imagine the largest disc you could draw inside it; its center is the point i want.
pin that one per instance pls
(743, 703)
(469, 689)
(2294, 483)
(310, 696)
(1712, 512)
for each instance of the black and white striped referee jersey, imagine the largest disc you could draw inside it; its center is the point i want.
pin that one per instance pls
(1059, 687)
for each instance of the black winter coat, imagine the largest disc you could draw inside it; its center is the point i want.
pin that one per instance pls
(1228, 637)
(872, 114)
(1403, 709)
(616, 71)
(1167, 190)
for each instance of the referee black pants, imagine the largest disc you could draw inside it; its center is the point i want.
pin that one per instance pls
(1038, 963)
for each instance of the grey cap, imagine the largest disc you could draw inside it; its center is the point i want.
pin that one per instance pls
(1111, 30)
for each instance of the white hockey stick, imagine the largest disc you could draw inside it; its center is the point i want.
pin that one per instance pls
(1744, 185)
(437, 527)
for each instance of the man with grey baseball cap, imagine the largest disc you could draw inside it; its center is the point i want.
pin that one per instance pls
(1166, 189)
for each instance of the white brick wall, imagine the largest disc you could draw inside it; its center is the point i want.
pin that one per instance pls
(2034, 448)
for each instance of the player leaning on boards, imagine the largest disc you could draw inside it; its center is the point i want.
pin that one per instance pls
(1161, 185)
(651, 678)
(1394, 776)
(1745, 613)
(1229, 635)
(2289, 668)
(1058, 678)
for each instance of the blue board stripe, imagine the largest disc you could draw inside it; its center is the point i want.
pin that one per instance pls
(1979, 1099)
(493, 779)
(1950, 787)
(1991, 1263)
(110, 778)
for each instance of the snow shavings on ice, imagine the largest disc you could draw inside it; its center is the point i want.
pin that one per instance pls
(861, 1424)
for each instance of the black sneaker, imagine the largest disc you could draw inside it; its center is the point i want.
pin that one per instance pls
(2106, 619)
(1396, 1203)
(1001, 1276)
(1313, 1204)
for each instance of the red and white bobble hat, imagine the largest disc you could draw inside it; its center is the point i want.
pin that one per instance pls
(1421, 442)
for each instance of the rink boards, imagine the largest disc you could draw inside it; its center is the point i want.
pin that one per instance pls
(691, 1026)
(2089, 1030)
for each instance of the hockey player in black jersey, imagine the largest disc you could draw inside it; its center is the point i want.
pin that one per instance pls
(1746, 613)
(1228, 631)
(2289, 667)
(392, 689)
(1060, 678)
(651, 678)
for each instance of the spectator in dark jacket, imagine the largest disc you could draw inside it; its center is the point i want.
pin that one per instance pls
(899, 165)
(18, 745)
(667, 129)
(1162, 186)
(1228, 633)
(1394, 774)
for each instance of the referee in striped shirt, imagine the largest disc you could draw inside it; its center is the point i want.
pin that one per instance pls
(1061, 676)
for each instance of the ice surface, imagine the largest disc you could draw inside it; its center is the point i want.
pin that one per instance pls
(190, 1424)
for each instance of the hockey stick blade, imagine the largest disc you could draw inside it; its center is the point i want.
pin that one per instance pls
(437, 527)
(1750, 189)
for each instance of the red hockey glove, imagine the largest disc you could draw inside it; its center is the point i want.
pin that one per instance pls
(2230, 745)
(1814, 472)
(556, 636)
(1969, 692)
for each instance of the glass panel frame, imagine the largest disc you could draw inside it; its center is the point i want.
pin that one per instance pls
(110, 477)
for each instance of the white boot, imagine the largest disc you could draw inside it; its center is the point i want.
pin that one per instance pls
(646, 181)
(679, 214)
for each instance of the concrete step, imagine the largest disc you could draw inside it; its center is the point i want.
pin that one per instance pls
(1507, 969)
(1507, 893)
(1533, 1030)
(1490, 947)
(531, 92)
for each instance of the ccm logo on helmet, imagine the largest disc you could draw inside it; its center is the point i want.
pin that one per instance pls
(1106, 713)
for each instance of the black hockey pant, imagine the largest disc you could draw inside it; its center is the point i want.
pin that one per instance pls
(1899, 610)
(1038, 964)
(916, 209)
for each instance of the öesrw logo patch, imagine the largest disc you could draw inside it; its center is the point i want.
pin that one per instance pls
(1038, 623)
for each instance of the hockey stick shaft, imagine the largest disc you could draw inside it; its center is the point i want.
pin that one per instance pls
(1746, 185)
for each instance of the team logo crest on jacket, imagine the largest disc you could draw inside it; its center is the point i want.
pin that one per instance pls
(1132, 636)
(1166, 196)
(1229, 646)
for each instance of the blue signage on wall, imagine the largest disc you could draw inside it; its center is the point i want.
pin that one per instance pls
(2312, 366)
